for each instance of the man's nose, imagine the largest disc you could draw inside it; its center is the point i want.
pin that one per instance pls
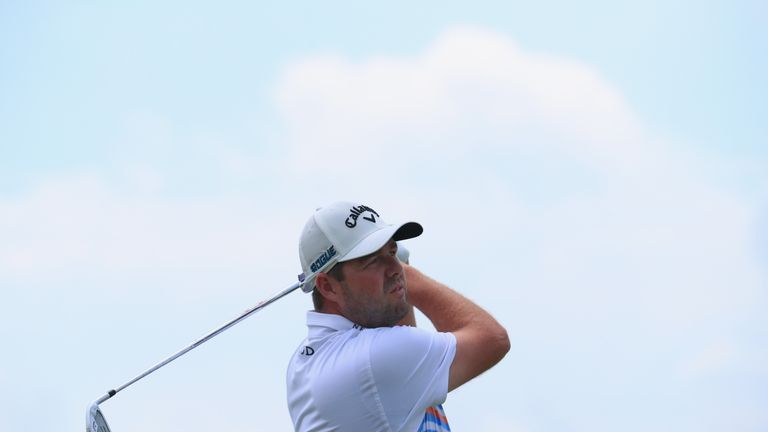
(394, 267)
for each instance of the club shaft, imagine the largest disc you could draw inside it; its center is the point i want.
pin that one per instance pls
(205, 338)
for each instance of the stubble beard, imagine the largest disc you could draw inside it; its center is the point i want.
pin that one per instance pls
(372, 314)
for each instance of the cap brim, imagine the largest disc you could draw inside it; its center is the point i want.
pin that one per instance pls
(377, 239)
(408, 230)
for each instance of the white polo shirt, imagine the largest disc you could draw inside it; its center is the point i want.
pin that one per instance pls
(347, 378)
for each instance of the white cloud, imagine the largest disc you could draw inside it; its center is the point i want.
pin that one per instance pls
(717, 356)
(471, 84)
(80, 225)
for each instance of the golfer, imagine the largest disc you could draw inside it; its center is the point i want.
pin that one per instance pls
(364, 366)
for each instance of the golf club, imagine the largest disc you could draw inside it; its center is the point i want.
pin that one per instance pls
(95, 421)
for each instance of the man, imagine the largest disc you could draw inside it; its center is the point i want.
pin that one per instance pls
(364, 366)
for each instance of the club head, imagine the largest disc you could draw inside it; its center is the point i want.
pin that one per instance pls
(94, 420)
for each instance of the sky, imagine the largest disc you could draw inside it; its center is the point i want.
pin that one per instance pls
(592, 173)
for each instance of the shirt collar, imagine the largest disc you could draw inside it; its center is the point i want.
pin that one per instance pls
(321, 324)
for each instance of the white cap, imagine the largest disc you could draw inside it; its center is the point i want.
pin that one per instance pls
(344, 231)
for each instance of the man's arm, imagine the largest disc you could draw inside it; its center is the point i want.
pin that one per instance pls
(481, 341)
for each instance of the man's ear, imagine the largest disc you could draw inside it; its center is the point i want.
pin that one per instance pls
(328, 287)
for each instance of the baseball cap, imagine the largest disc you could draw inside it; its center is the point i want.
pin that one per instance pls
(343, 231)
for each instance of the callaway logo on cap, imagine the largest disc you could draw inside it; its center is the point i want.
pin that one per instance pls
(343, 231)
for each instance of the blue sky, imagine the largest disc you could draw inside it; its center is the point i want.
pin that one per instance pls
(592, 173)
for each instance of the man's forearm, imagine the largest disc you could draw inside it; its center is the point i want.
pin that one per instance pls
(448, 310)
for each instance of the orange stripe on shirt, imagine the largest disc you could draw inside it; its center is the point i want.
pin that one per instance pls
(434, 411)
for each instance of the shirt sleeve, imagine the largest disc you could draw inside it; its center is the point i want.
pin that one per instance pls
(410, 367)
